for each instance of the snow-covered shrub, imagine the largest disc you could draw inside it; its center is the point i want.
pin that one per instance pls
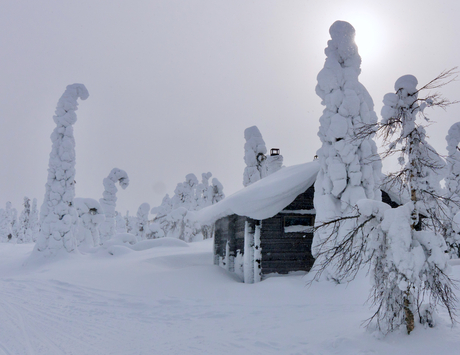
(58, 217)
(90, 215)
(109, 201)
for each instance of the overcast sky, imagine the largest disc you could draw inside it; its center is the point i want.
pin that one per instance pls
(173, 84)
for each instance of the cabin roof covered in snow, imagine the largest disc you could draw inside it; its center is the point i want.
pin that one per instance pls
(266, 197)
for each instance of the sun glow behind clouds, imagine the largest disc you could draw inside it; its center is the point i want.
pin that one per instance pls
(370, 37)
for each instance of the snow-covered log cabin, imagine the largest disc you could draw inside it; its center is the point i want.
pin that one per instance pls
(267, 227)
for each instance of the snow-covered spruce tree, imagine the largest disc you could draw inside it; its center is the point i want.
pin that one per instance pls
(217, 191)
(204, 197)
(120, 223)
(5, 227)
(142, 230)
(12, 216)
(453, 189)
(130, 222)
(162, 212)
(24, 225)
(254, 156)
(109, 201)
(420, 266)
(404, 246)
(175, 215)
(90, 215)
(184, 200)
(274, 163)
(203, 193)
(184, 194)
(58, 217)
(34, 221)
(350, 168)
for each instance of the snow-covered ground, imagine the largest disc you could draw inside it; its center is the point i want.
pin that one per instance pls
(170, 299)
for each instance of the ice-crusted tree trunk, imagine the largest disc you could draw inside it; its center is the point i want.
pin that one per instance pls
(453, 189)
(254, 156)
(109, 201)
(350, 168)
(58, 217)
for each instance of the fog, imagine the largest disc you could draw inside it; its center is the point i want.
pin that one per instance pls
(173, 84)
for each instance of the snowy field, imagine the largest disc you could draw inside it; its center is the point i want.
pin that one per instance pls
(170, 299)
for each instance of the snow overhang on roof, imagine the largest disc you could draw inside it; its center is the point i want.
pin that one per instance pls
(266, 197)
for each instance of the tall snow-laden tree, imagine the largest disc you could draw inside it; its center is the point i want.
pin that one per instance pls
(453, 189)
(254, 156)
(419, 266)
(58, 216)
(24, 224)
(109, 201)
(350, 168)
(404, 246)
(90, 215)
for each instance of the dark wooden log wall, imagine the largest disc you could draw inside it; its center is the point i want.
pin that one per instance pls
(281, 252)
(285, 252)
